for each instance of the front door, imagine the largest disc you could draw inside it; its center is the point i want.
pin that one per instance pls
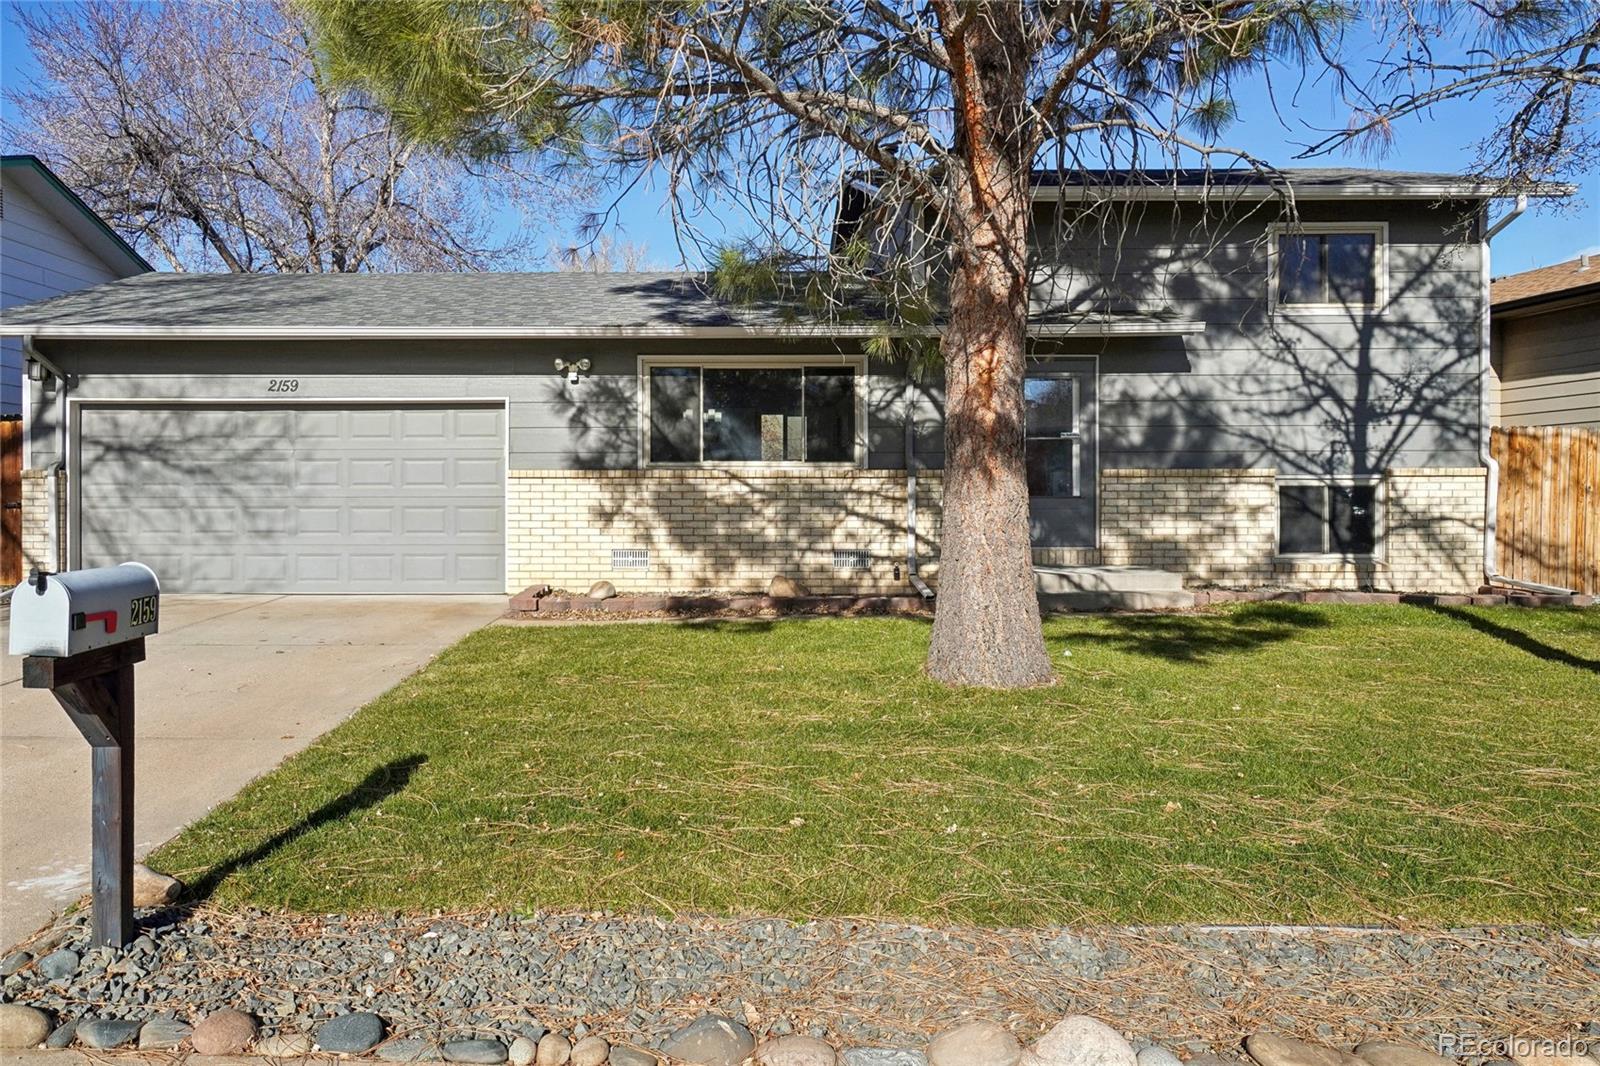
(1059, 397)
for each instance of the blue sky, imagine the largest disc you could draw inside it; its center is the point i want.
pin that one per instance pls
(1547, 234)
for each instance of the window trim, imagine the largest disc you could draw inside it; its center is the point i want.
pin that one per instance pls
(1380, 504)
(1075, 437)
(1380, 267)
(857, 363)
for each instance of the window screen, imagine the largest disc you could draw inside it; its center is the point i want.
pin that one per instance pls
(1317, 519)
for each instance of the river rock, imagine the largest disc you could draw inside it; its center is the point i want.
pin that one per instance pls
(163, 1034)
(883, 1056)
(22, 1027)
(1384, 1053)
(1528, 1052)
(350, 1034)
(154, 889)
(623, 1055)
(103, 1034)
(975, 1044)
(223, 1032)
(554, 1050)
(783, 587)
(1275, 1049)
(602, 590)
(795, 1051)
(284, 1046)
(1156, 1055)
(14, 962)
(711, 1040)
(1078, 1040)
(522, 1051)
(59, 964)
(410, 1049)
(590, 1051)
(63, 1035)
(483, 1051)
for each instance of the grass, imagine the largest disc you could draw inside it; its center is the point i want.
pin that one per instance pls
(1274, 762)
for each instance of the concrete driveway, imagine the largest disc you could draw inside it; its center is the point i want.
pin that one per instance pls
(231, 686)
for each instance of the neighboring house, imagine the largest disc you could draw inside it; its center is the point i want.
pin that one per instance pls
(50, 243)
(1547, 345)
(1218, 387)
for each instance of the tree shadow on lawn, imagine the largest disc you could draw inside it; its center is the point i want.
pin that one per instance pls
(1198, 638)
(381, 783)
(1518, 639)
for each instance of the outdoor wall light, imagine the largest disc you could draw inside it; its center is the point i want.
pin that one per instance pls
(572, 369)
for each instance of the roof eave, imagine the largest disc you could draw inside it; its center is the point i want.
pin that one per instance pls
(1258, 193)
(1559, 300)
(1087, 327)
(96, 234)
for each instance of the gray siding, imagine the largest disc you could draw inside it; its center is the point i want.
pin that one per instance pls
(551, 425)
(1307, 394)
(1549, 368)
(1330, 394)
(39, 258)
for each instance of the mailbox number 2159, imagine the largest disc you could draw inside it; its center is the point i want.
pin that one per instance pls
(141, 610)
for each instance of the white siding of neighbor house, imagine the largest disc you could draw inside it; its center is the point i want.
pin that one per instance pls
(1548, 368)
(39, 258)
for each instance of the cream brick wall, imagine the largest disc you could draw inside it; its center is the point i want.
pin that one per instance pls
(36, 551)
(716, 529)
(1212, 525)
(1220, 526)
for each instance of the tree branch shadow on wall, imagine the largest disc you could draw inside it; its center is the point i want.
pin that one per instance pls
(1351, 393)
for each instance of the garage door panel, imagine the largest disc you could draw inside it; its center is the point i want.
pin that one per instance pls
(361, 499)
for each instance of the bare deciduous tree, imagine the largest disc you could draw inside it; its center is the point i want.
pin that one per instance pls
(206, 134)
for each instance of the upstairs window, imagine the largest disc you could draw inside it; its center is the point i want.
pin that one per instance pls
(754, 414)
(1323, 519)
(1328, 267)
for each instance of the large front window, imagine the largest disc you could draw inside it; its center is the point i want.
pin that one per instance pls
(752, 414)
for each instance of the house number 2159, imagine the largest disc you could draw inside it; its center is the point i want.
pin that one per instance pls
(283, 385)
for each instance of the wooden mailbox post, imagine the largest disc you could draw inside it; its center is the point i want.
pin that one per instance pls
(81, 633)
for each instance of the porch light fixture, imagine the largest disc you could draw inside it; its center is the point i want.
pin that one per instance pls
(572, 369)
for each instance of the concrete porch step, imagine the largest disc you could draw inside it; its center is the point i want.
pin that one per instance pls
(1167, 600)
(1064, 579)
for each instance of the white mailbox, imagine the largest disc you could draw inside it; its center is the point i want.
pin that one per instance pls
(57, 615)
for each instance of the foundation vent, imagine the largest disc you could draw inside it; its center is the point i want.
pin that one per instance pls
(850, 559)
(630, 558)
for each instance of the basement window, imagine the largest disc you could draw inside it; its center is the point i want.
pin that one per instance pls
(718, 414)
(1327, 519)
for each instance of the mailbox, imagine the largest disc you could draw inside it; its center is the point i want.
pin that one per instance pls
(57, 615)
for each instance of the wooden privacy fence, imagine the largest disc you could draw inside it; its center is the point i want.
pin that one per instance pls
(1549, 526)
(10, 500)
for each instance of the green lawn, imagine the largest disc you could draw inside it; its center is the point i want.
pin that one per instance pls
(1262, 763)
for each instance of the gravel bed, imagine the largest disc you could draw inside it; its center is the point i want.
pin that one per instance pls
(854, 983)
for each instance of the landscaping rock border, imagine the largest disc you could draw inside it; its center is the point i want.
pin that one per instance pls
(545, 989)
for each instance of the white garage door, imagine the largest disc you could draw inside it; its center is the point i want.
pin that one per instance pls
(296, 499)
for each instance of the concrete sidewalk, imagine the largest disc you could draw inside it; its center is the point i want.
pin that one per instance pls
(232, 685)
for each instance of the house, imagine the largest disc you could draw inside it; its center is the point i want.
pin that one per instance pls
(1248, 383)
(1546, 345)
(50, 243)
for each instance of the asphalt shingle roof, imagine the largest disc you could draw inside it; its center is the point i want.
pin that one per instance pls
(537, 302)
(1550, 281)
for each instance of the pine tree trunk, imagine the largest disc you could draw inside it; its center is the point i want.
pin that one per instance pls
(986, 629)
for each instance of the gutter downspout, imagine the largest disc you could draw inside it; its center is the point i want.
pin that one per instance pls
(911, 493)
(1491, 510)
(53, 480)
